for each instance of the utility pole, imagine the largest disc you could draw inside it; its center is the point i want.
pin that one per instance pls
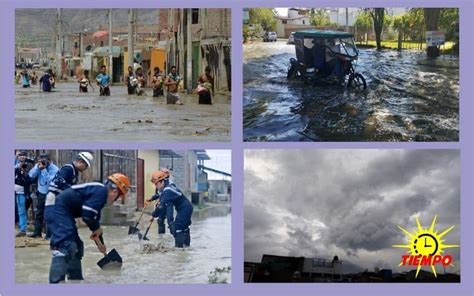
(189, 52)
(81, 40)
(347, 19)
(111, 58)
(130, 37)
(59, 41)
(135, 26)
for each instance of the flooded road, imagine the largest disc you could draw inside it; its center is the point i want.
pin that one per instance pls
(405, 100)
(210, 249)
(67, 115)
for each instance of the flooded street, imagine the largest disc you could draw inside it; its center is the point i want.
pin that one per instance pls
(67, 115)
(210, 249)
(405, 100)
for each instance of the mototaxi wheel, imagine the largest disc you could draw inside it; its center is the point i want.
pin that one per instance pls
(292, 72)
(356, 80)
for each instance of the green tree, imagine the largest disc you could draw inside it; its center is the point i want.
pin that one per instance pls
(265, 17)
(364, 23)
(399, 26)
(319, 17)
(416, 22)
(378, 17)
(449, 22)
(431, 24)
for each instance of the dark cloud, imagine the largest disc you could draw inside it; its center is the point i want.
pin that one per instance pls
(319, 203)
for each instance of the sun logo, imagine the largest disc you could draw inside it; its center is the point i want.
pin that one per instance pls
(426, 247)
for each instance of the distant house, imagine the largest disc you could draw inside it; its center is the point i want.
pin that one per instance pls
(283, 269)
(211, 38)
(298, 18)
(220, 190)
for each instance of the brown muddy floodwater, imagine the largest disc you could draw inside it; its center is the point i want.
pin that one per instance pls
(407, 99)
(67, 115)
(210, 251)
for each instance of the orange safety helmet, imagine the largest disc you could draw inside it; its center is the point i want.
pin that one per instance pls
(122, 182)
(159, 175)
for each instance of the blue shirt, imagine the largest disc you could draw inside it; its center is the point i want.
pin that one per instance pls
(25, 80)
(45, 176)
(103, 79)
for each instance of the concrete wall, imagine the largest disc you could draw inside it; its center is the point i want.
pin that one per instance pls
(219, 190)
(152, 164)
(183, 170)
(213, 22)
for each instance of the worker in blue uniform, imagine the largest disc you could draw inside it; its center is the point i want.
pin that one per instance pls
(80, 201)
(171, 196)
(164, 212)
(67, 176)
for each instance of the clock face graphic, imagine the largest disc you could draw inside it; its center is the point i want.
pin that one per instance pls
(425, 244)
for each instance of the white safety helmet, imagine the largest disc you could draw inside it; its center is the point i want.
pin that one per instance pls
(86, 157)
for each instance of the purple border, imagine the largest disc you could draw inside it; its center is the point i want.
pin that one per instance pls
(7, 282)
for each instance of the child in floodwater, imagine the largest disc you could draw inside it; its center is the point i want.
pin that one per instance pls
(140, 81)
(84, 82)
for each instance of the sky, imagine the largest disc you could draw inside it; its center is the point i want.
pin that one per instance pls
(282, 11)
(220, 160)
(321, 203)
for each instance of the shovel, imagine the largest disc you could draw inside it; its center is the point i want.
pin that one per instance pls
(112, 260)
(134, 229)
(140, 236)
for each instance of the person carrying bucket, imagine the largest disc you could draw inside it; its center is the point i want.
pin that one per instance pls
(171, 196)
(86, 201)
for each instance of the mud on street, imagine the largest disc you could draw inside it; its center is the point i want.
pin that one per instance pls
(406, 99)
(67, 115)
(208, 260)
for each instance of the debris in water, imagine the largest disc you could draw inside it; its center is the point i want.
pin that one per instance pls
(203, 132)
(29, 242)
(152, 248)
(138, 121)
(218, 275)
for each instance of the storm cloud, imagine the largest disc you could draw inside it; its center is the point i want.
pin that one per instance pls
(321, 203)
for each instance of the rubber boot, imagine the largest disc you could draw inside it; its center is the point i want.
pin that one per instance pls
(58, 269)
(161, 226)
(179, 239)
(74, 270)
(187, 238)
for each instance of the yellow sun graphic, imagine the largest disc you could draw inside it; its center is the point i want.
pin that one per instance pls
(426, 243)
